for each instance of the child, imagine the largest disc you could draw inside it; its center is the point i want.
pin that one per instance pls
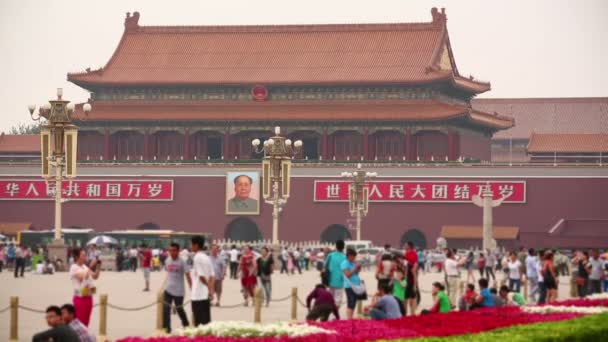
(440, 300)
(399, 283)
(468, 299)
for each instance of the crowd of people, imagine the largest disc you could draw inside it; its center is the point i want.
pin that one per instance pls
(204, 268)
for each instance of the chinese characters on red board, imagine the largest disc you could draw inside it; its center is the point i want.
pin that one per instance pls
(422, 191)
(106, 190)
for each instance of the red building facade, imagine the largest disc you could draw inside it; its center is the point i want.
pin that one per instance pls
(349, 92)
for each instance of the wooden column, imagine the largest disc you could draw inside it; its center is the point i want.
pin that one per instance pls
(452, 145)
(147, 144)
(408, 144)
(324, 147)
(187, 153)
(366, 144)
(107, 146)
(227, 145)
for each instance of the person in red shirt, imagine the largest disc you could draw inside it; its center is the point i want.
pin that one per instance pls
(411, 290)
(248, 269)
(146, 263)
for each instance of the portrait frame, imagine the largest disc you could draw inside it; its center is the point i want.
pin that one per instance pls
(230, 194)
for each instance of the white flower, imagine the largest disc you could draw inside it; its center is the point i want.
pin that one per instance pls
(598, 296)
(248, 329)
(564, 309)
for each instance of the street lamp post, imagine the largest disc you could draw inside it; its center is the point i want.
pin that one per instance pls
(358, 195)
(58, 151)
(276, 172)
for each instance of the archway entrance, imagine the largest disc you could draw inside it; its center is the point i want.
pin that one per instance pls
(416, 236)
(334, 233)
(243, 229)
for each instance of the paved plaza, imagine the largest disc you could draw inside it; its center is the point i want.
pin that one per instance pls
(125, 289)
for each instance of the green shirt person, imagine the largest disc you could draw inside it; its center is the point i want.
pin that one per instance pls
(241, 202)
(511, 298)
(442, 302)
(399, 284)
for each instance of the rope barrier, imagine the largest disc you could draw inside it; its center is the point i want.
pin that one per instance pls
(281, 299)
(138, 308)
(231, 306)
(5, 309)
(302, 302)
(31, 310)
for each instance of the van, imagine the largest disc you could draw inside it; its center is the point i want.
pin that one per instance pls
(358, 244)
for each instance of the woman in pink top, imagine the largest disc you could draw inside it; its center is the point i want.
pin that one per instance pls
(82, 281)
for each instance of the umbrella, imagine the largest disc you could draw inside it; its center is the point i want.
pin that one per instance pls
(102, 240)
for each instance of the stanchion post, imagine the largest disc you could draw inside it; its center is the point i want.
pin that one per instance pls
(294, 303)
(257, 302)
(359, 308)
(103, 317)
(460, 289)
(159, 313)
(525, 286)
(573, 288)
(14, 335)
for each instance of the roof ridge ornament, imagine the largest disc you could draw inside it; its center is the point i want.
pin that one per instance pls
(439, 18)
(132, 21)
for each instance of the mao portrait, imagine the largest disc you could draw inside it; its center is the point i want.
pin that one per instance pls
(243, 193)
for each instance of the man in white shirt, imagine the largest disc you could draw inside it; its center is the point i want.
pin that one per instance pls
(597, 273)
(234, 261)
(452, 274)
(532, 275)
(202, 283)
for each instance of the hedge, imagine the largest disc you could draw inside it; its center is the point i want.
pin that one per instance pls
(587, 328)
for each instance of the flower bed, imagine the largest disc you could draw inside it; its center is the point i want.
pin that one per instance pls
(437, 325)
(587, 328)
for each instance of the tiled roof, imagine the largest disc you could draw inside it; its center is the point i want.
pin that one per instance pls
(568, 143)
(549, 115)
(476, 232)
(19, 143)
(405, 53)
(413, 110)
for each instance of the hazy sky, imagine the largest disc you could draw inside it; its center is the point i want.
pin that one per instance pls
(528, 48)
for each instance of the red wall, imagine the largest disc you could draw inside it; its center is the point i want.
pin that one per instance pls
(199, 206)
(475, 147)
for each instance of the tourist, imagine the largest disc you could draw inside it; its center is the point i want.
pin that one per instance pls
(219, 270)
(82, 281)
(335, 276)
(550, 278)
(485, 299)
(532, 274)
(421, 260)
(510, 298)
(596, 272)
(542, 289)
(202, 283)
(10, 256)
(297, 260)
(481, 264)
(306, 259)
(2, 258)
(411, 291)
(19, 261)
(284, 260)
(490, 264)
(582, 277)
(68, 315)
(58, 331)
(515, 271)
(146, 263)
(399, 283)
(441, 302)
(351, 271)
(452, 274)
(290, 262)
(247, 268)
(324, 304)
(133, 254)
(265, 268)
(385, 270)
(468, 299)
(320, 257)
(234, 262)
(468, 265)
(384, 305)
(605, 267)
(177, 269)
(185, 255)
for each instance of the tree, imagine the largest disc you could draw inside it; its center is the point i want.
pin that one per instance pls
(33, 128)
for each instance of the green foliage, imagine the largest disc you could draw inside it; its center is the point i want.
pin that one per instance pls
(588, 328)
(33, 128)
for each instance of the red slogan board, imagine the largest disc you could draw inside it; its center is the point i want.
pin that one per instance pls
(422, 191)
(88, 190)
